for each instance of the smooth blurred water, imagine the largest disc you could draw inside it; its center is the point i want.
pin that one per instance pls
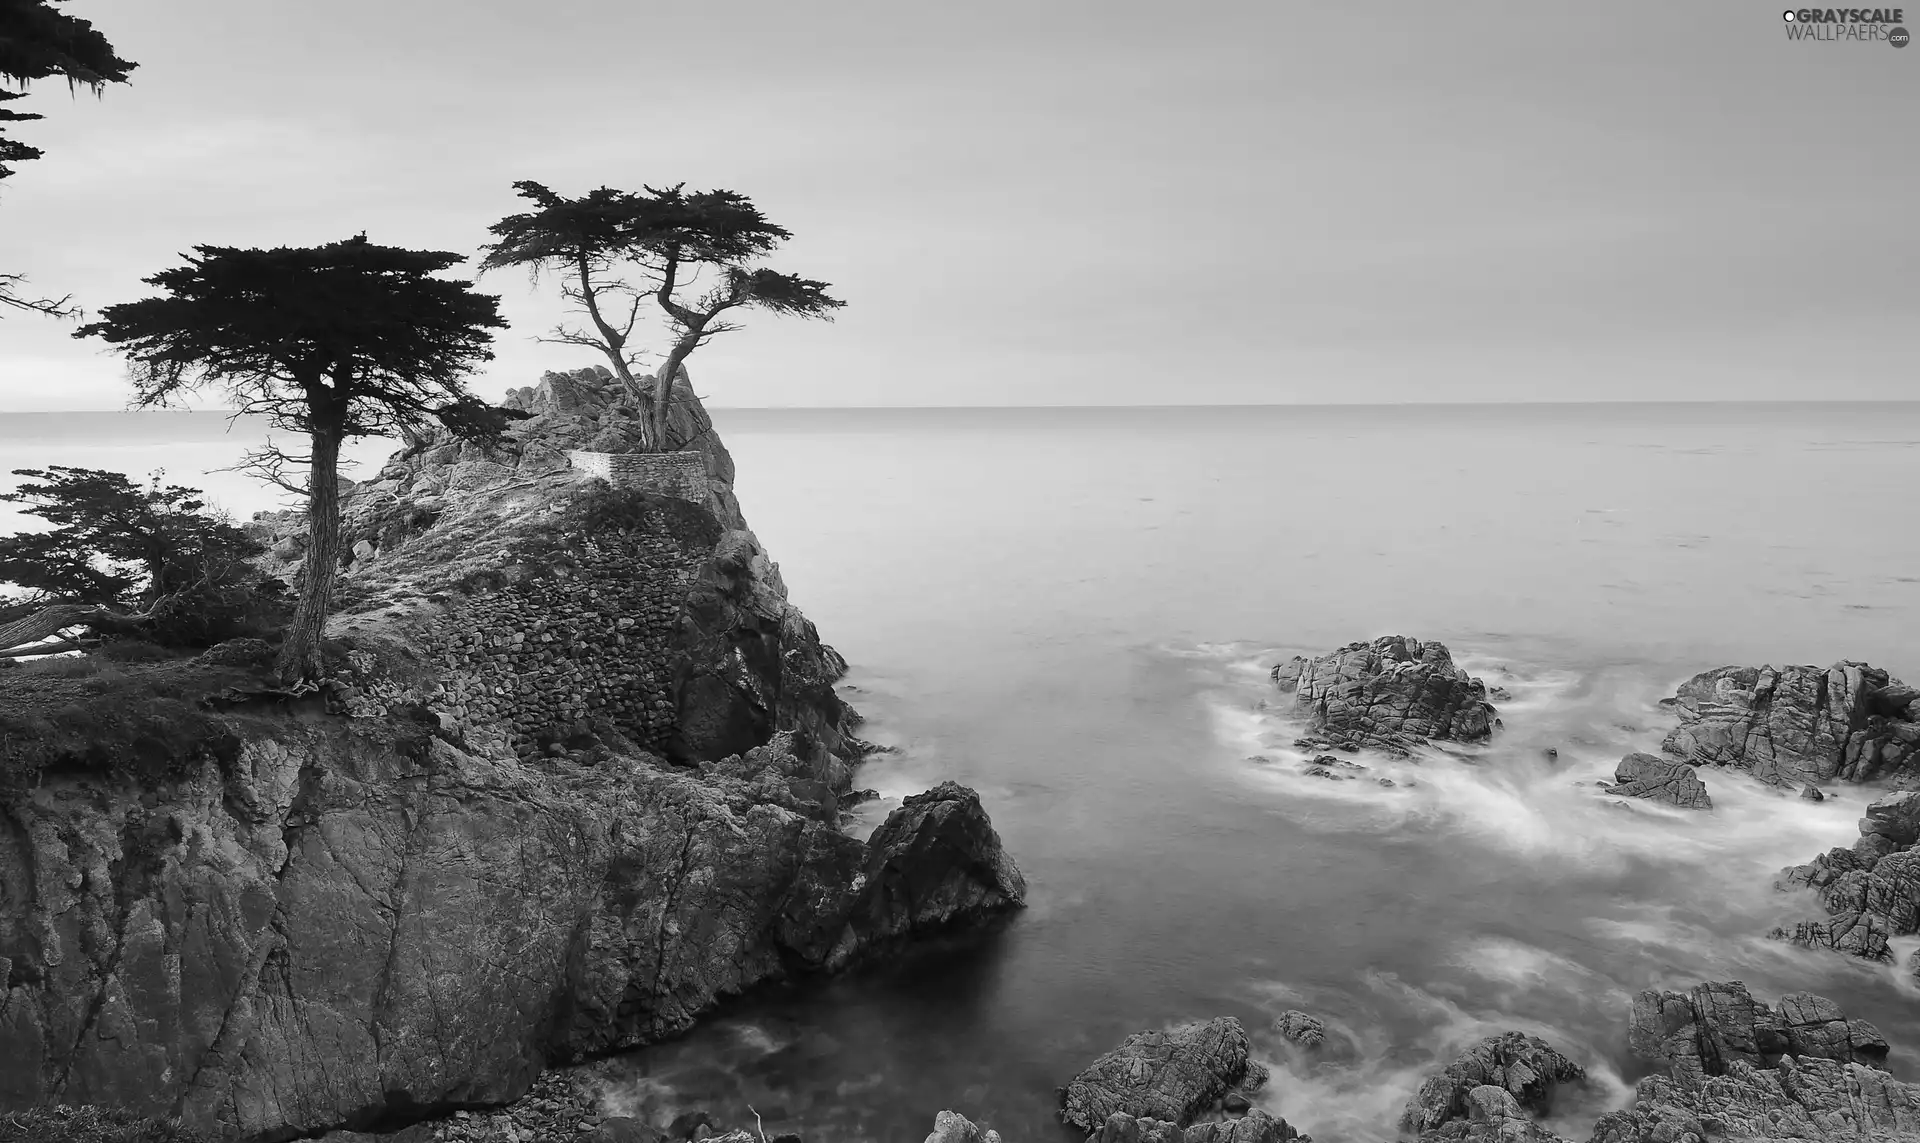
(1073, 611)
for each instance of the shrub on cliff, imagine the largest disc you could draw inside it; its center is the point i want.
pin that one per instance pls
(151, 560)
(89, 1125)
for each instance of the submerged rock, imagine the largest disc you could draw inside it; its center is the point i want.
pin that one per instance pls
(1797, 725)
(1660, 780)
(1739, 1070)
(1390, 694)
(1169, 1075)
(1305, 1030)
(1524, 1068)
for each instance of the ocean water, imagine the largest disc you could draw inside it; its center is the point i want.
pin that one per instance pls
(1074, 611)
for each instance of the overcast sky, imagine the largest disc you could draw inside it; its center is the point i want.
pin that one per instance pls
(1046, 202)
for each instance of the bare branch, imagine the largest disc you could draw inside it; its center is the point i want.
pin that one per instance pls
(269, 464)
(51, 307)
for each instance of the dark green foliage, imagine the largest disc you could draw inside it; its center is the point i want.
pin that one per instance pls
(337, 341)
(472, 419)
(89, 1125)
(115, 542)
(351, 338)
(38, 41)
(672, 236)
(153, 549)
(601, 507)
(85, 715)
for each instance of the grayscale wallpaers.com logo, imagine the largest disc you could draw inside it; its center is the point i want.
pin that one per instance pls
(1858, 24)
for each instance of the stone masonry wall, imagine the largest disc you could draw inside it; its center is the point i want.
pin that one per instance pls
(682, 474)
(549, 658)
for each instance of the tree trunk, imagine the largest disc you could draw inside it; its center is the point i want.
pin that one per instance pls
(663, 387)
(300, 652)
(639, 394)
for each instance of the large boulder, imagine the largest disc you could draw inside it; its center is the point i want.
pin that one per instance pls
(1524, 1067)
(1895, 817)
(1170, 1075)
(1704, 1031)
(1256, 1126)
(333, 926)
(1797, 725)
(1390, 694)
(1738, 1070)
(953, 1127)
(935, 861)
(1798, 1099)
(1660, 780)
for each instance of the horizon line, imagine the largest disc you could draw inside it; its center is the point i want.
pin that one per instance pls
(225, 411)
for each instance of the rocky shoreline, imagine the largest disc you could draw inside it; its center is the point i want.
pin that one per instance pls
(581, 774)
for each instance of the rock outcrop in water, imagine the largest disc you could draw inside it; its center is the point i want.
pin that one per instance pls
(1795, 726)
(576, 776)
(1172, 1075)
(1660, 780)
(1739, 1070)
(1390, 694)
(1871, 892)
(1491, 1091)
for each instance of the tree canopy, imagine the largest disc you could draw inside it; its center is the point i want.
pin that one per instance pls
(337, 341)
(38, 41)
(695, 250)
(350, 338)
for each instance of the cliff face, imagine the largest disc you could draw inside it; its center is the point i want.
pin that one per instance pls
(578, 777)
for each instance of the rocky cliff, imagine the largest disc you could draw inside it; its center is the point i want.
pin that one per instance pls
(576, 777)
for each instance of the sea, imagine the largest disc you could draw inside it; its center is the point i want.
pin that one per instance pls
(1074, 612)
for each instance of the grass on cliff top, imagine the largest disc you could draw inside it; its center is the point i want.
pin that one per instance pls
(88, 1125)
(487, 543)
(99, 714)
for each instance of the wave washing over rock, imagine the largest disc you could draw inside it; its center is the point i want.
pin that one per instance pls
(578, 776)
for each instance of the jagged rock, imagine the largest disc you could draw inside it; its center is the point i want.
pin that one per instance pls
(1305, 1030)
(571, 785)
(953, 1127)
(1524, 1066)
(934, 861)
(1871, 892)
(1798, 725)
(1493, 1116)
(1797, 1099)
(1123, 1128)
(1895, 817)
(1660, 780)
(1811, 793)
(1390, 694)
(1254, 1127)
(1702, 1032)
(362, 922)
(1171, 1075)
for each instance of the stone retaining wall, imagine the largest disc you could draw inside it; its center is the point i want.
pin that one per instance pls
(549, 658)
(681, 474)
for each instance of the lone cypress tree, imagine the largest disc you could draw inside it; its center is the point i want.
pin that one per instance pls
(696, 250)
(338, 341)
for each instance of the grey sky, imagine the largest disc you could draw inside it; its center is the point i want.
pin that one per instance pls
(1056, 203)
